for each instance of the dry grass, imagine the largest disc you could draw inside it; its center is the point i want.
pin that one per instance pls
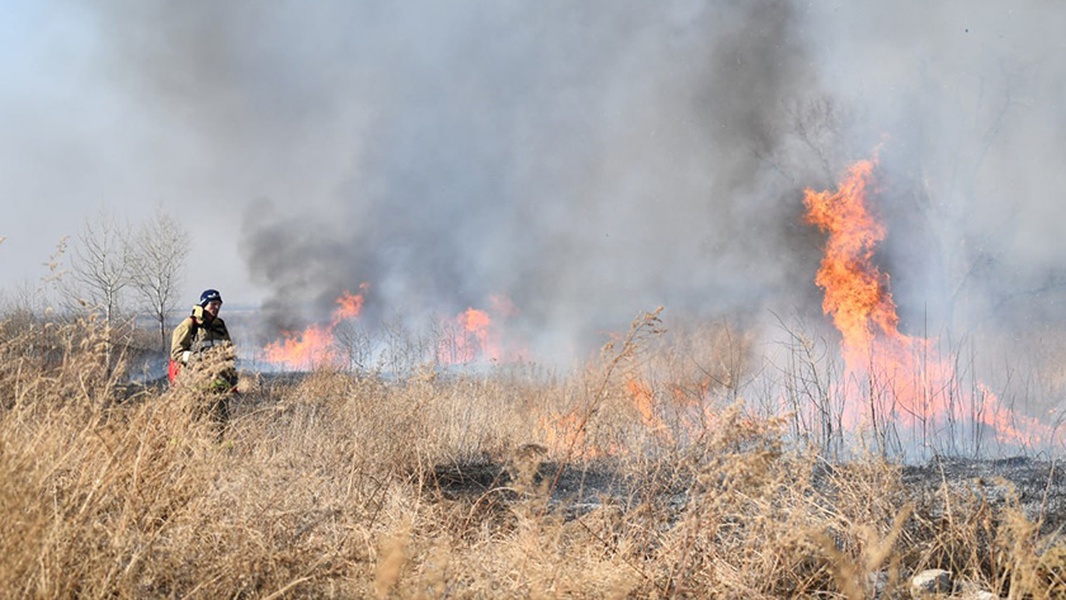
(324, 487)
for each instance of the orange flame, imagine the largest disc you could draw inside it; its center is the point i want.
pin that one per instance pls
(920, 384)
(476, 324)
(856, 292)
(565, 436)
(475, 335)
(644, 401)
(314, 345)
(467, 338)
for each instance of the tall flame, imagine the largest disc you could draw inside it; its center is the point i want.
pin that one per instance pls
(315, 345)
(921, 386)
(856, 293)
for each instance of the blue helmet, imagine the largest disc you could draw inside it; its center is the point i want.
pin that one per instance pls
(209, 296)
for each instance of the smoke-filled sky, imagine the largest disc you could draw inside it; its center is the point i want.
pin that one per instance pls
(586, 160)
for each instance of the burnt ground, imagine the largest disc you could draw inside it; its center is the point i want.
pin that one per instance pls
(574, 488)
(1037, 487)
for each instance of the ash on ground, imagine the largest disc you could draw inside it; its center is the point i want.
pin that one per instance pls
(1037, 487)
(577, 487)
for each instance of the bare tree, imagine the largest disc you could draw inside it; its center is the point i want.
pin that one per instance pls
(100, 267)
(159, 250)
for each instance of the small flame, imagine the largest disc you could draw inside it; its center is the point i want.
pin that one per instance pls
(475, 334)
(315, 345)
(564, 435)
(476, 325)
(644, 401)
(467, 338)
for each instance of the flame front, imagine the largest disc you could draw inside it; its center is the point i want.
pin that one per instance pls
(314, 345)
(906, 379)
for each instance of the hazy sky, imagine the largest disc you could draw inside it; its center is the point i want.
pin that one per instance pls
(587, 160)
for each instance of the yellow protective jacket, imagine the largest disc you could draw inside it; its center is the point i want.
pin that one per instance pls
(197, 333)
(196, 336)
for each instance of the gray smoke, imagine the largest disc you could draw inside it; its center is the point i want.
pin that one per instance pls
(967, 97)
(590, 160)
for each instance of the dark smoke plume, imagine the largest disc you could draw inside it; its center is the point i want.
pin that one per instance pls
(591, 160)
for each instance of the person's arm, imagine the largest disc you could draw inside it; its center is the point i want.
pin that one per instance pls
(181, 341)
(223, 331)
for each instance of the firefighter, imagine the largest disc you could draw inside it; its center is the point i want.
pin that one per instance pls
(201, 352)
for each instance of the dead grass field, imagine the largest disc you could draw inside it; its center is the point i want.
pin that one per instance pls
(338, 485)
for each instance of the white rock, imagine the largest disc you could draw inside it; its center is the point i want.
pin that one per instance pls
(932, 582)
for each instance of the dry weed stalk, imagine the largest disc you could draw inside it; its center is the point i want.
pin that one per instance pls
(321, 489)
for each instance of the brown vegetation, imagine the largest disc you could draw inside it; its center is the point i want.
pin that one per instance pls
(334, 485)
